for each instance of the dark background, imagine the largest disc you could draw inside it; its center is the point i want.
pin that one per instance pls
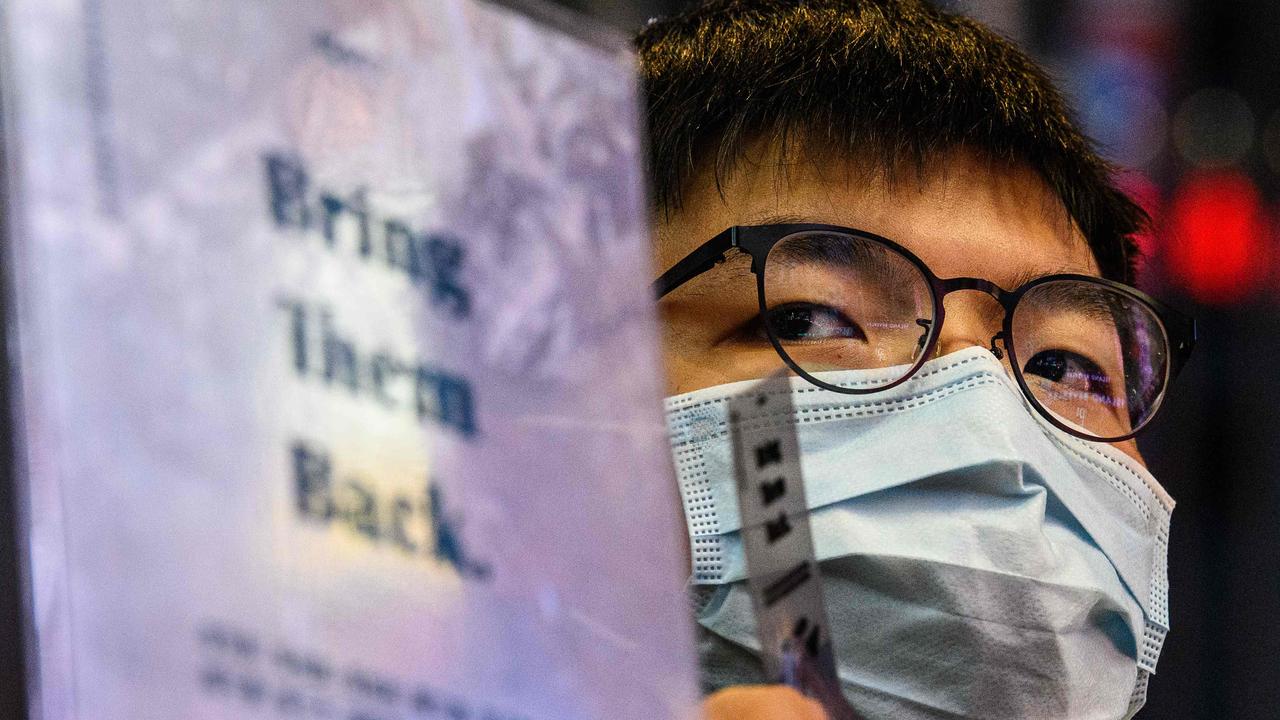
(1187, 94)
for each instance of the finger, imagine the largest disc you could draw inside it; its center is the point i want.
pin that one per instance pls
(761, 702)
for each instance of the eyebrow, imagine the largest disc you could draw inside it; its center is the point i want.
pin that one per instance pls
(1014, 281)
(1029, 275)
(782, 219)
(845, 251)
(736, 268)
(1085, 299)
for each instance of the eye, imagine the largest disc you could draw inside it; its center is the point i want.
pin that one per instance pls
(808, 322)
(1071, 371)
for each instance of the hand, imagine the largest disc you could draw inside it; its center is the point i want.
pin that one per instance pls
(761, 702)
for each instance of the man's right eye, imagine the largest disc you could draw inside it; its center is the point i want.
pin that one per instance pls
(809, 322)
(1069, 372)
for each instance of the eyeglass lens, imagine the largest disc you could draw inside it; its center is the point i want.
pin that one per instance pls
(1091, 356)
(841, 302)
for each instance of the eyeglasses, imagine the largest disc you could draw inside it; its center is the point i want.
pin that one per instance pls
(1095, 357)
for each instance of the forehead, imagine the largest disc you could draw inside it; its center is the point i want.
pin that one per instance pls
(963, 216)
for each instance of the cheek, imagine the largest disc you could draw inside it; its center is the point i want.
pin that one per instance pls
(1130, 448)
(702, 348)
(684, 376)
(692, 367)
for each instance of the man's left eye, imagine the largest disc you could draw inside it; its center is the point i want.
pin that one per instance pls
(808, 322)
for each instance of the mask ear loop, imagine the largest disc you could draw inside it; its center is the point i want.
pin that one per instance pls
(998, 352)
(923, 342)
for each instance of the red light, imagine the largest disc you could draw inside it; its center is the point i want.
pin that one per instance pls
(1217, 248)
(1146, 194)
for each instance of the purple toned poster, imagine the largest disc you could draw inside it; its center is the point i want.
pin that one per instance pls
(338, 390)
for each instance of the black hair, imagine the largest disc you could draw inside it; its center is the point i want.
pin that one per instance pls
(896, 83)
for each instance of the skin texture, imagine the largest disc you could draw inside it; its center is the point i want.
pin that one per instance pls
(761, 702)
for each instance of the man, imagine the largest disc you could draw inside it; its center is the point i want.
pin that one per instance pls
(834, 180)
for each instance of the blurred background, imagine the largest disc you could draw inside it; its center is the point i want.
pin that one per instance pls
(1186, 94)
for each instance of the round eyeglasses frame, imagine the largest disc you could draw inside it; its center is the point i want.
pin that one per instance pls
(758, 240)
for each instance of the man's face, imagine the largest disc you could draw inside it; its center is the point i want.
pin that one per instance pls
(964, 217)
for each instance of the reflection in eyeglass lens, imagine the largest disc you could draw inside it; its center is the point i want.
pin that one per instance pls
(1091, 355)
(839, 302)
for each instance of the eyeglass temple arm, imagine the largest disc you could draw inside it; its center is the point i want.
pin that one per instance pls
(695, 263)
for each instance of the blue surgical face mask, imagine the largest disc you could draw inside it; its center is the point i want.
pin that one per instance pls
(976, 561)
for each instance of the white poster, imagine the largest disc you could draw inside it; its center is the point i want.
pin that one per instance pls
(339, 395)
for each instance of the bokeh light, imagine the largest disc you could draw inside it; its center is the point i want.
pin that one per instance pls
(1144, 191)
(1214, 127)
(1121, 109)
(1219, 246)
